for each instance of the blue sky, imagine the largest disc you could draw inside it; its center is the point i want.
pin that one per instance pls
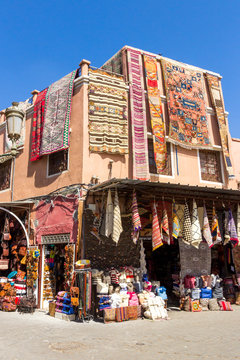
(43, 40)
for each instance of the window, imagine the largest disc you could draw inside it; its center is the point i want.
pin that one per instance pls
(5, 175)
(210, 165)
(57, 162)
(152, 165)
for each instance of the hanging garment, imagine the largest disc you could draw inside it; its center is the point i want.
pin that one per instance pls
(196, 230)
(165, 225)
(136, 221)
(238, 222)
(180, 215)
(156, 233)
(109, 215)
(156, 114)
(187, 233)
(206, 229)
(232, 229)
(216, 235)
(176, 224)
(117, 221)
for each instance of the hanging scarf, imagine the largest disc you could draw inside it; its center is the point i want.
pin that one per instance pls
(117, 221)
(109, 215)
(165, 225)
(156, 233)
(135, 219)
(196, 229)
(238, 222)
(187, 233)
(232, 229)
(216, 235)
(176, 224)
(206, 229)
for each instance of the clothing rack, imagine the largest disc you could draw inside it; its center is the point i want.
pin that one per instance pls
(83, 281)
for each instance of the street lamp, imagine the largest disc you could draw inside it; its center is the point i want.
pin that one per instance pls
(14, 119)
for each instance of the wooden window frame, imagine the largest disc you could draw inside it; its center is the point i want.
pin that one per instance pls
(3, 167)
(218, 177)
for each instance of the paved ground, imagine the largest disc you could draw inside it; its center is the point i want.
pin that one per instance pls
(206, 335)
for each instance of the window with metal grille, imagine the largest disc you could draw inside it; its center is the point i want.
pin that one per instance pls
(210, 165)
(57, 162)
(152, 165)
(5, 175)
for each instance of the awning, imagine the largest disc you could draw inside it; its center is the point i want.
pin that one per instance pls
(168, 190)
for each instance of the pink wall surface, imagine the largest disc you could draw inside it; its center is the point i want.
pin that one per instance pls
(236, 157)
(56, 217)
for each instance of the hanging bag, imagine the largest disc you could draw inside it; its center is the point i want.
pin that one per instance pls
(6, 230)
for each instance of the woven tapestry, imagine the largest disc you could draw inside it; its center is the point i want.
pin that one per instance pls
(155, 106)
(186, 107)
(37, 125)
(194, 261)
(55, 135)
(114, 64)
(216, 96)
(108, 126)
(138, 116)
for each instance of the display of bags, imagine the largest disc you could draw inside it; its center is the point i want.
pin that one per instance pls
(195, 306)
(225, 305)
(195, 294)
(206, 293)
(204, 304)
(213, 305)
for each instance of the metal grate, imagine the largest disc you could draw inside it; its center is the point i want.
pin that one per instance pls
(55, 239)
(210, 165)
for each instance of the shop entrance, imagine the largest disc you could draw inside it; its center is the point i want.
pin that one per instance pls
(163, 265)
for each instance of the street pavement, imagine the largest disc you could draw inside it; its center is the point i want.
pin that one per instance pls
(204, 335)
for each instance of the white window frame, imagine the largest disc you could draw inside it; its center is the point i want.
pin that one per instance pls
(217, 149)
(61, 172)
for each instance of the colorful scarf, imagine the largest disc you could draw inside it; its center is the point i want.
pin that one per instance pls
(108, 124)
(206, 229)
(55, 134)
(216, 96)
(232, 229)
(156, 233)
(155, 106)
(238, 222)
(138, 116)
(216, 235)
(109, 215)
(165, 225)
(187, 231)
(136, 221)
(186, 106)
(176, 225)
(37, 125)
(196, 229)
(117, 221)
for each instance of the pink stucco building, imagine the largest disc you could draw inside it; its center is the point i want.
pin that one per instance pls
(45, 184)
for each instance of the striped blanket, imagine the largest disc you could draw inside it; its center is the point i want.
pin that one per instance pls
(138, 116)
(108, 127)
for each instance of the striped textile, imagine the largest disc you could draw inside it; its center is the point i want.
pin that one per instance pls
(176, 224)
(117, 221)
(196, 229)
(37, 125)
(138, 116)
(165, 225)
(207, 235)
(135, 214)
(121, 314)
(217, 99)
(187, 231)
(108, 125)
(232, 229)
(109, 215)
(155, 106)
(216, 235)
(156, 233)
(238, 222)
(55, 135)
